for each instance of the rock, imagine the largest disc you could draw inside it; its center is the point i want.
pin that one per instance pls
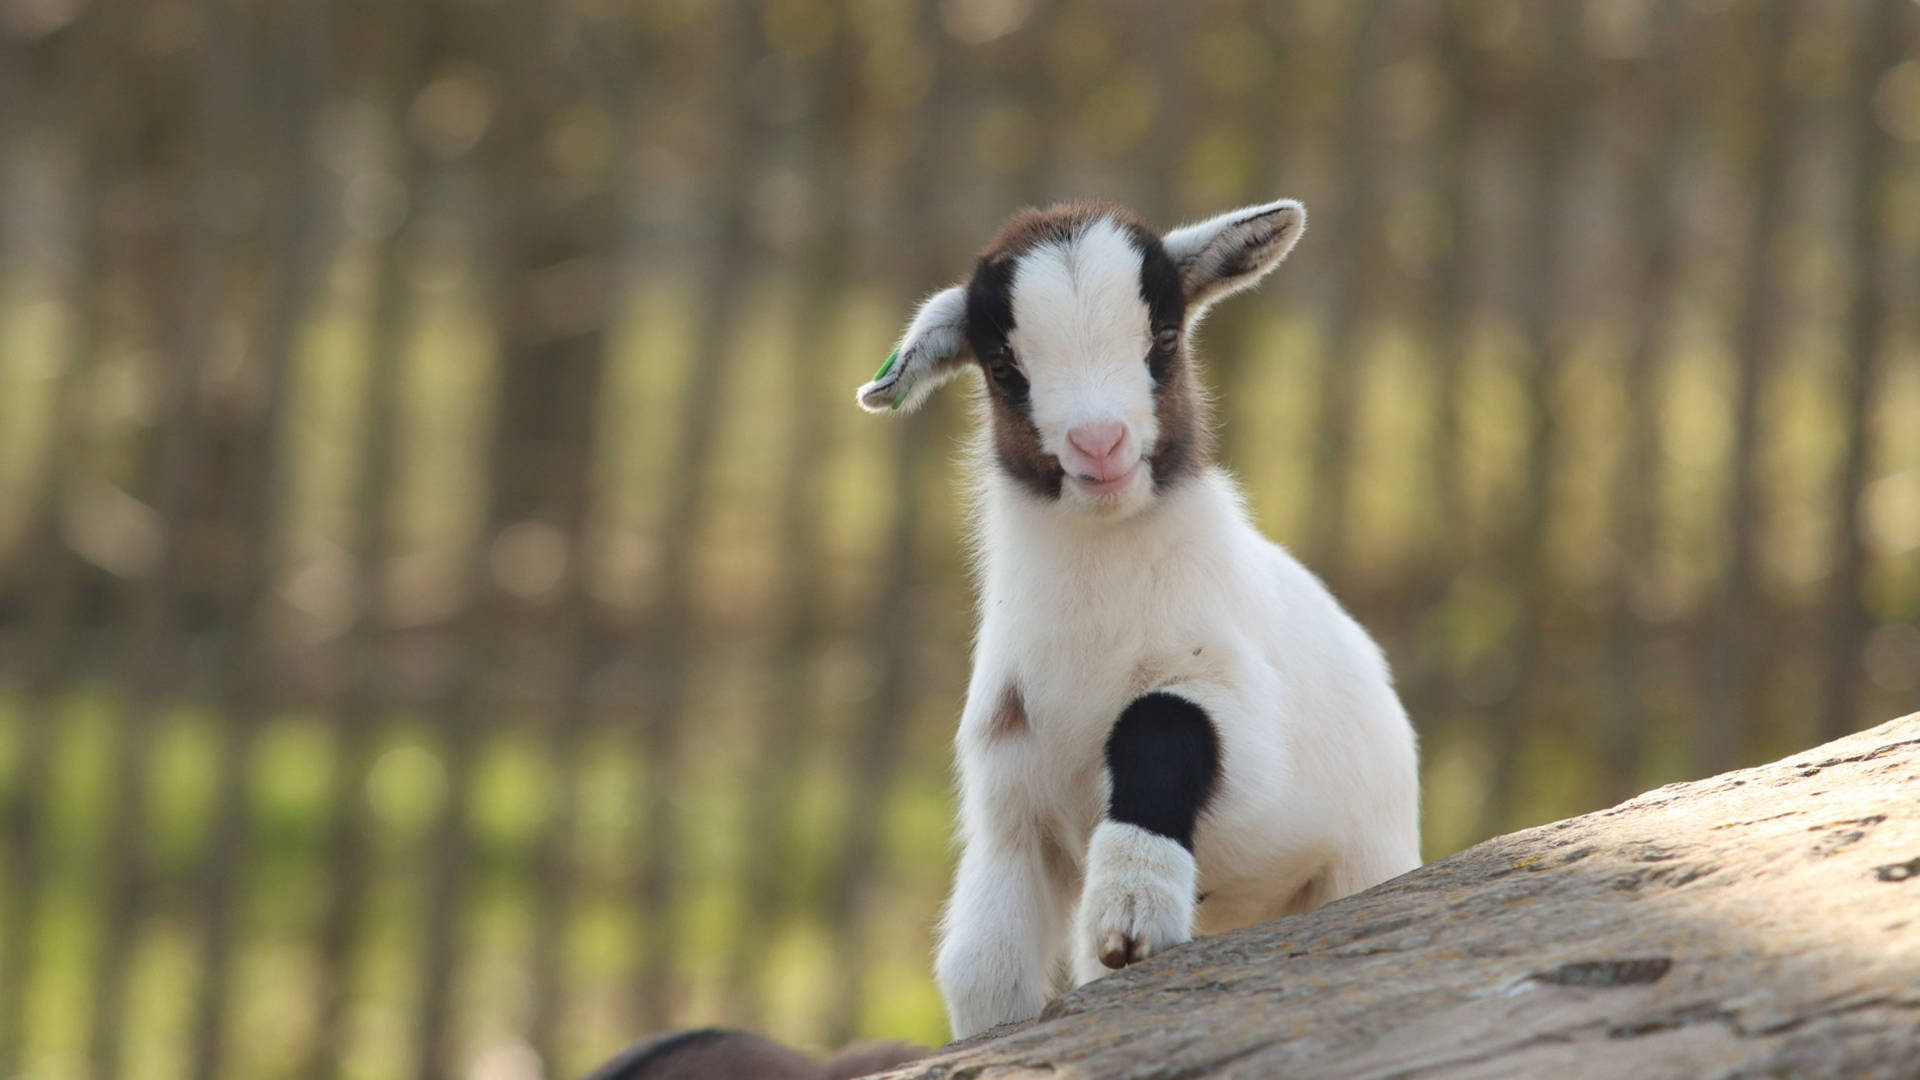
(1761, 923)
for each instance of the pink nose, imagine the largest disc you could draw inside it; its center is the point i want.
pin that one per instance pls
(1099, 441)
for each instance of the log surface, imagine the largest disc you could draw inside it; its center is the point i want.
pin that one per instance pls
(1765, 922)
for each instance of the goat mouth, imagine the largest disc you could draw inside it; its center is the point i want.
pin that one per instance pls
(1095, 486)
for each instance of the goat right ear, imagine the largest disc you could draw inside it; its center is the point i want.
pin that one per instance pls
(933, 350)
(1224, 254)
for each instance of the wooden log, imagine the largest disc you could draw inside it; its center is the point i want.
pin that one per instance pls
(1765, 922)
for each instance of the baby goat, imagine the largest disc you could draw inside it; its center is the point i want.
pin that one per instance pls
(1171, 724)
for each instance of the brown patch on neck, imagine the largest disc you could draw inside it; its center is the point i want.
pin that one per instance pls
(1010, 715)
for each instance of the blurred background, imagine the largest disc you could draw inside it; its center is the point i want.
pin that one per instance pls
(453, 618)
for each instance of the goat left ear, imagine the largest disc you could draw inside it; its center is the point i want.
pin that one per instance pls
(1222, 255)
(933, 350)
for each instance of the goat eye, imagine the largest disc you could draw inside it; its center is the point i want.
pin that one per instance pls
(1007, 376)
(1166, 346)
(1002, 368)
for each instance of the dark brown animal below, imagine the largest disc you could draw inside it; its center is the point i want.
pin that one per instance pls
(719, 1054)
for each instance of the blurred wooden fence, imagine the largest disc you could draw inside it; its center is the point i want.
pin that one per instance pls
(453, 619)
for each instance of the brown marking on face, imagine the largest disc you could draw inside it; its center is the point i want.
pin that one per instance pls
(1010, 715)
(1017, 449)
(1016, 442)
(1185, 446)
(1033, 226)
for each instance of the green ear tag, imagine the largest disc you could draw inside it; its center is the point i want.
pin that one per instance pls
(892, 357)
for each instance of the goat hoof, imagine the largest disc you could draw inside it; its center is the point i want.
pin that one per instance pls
(1138, 900)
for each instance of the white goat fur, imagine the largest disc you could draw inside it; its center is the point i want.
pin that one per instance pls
(1089, 601)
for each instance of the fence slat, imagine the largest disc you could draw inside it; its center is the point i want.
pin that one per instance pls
(299, 52)
(552, 362)
(794, 699)
(1355, 217)
(667, 638)
(178, 469)
(1430, 691)
(897, 628)
(1876, 50)
(585, 646)
(1656, 177)
(363, 696)
(1730, 667)
(53, 610)
(1553, 123)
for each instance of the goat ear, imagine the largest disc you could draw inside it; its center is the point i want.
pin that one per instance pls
(1222, 255)
(933, 350)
